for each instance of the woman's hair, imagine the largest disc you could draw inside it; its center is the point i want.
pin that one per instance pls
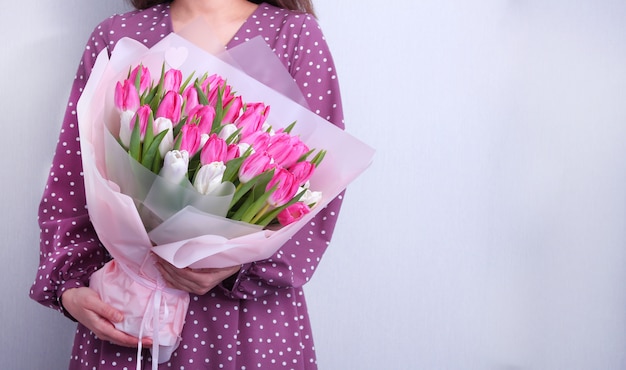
(299, 5)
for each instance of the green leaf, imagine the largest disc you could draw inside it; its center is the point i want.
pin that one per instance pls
(135, 141)
(157, 163)
(318, 158)
(202, 98)
(290, 127)
(244, 188)
(149, 135)
(242, 209)
(232, 169)
(194, 166)
(184, 85)
(304, 156)
(148, 97)
(233, 137)
(138, 77)
(179, 126)
(178, 142)
(257, 205)
(150, 154)
(219, 112)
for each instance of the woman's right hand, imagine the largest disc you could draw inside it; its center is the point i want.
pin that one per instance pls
(85, 305)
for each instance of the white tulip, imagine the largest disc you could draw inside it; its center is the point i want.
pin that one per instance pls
(175, 166)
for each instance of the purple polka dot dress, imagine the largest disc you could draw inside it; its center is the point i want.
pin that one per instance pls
(261, 320)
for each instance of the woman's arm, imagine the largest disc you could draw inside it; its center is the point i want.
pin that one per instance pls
(69, 247)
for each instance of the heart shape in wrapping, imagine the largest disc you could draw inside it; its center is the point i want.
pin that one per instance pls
(176, 57)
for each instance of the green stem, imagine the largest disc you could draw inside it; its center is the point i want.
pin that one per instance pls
(258, 216)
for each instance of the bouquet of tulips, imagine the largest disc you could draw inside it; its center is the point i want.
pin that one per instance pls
(196, 173)
(199, 132)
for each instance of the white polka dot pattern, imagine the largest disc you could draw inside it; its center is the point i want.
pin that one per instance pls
(261, 320)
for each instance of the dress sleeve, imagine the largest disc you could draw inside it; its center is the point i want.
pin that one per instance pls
(69, 247)
(293, 265)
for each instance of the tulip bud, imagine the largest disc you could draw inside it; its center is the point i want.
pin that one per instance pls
(214, 150)
(259, 140)
(170, 107)
(167, 144)
(226, 131)
(310, 198)
(175, 166)
(190, 96)
(232, 152)
(190, 138)
(202, 115)
(172, 80)
(126, 96)
(143, 114)
(234, 110)
(254, 165)
(286, 187)
(126, 119)
(209, 177)
(252, 118)
(144, 78)
(286, 149)
(292, 213)
(302, 171)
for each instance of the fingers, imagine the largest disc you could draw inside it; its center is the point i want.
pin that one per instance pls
(85, 305)
(106, 311)
(186, 279)
(104, 330)
(197, 281)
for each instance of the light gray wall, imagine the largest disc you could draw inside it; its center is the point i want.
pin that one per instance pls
(489, 232)
(41, 47)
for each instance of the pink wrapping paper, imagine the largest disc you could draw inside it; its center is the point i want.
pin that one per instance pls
(190, 237)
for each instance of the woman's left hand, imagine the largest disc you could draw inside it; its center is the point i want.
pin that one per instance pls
(196, 281)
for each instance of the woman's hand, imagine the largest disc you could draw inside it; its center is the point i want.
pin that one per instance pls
(85, 305)
(196, 281)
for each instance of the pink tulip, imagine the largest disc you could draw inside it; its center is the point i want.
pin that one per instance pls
(172, 80)
(214, 150)
(126, 96)
(190, 95)
(170, 107)
(232, 152)
(211, 85)
(254, 165)
(302, 171)
(292, 213)
(202, 116)
(286, 190)
(286, 149)
(227, 95)
(252, 118)
(259, 140)
(234, 110)
(144, 112)
(191, 138)
(144, 78)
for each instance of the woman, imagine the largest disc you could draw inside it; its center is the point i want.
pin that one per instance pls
(242, 317)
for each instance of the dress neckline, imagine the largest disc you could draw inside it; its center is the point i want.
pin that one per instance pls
(236, 36)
